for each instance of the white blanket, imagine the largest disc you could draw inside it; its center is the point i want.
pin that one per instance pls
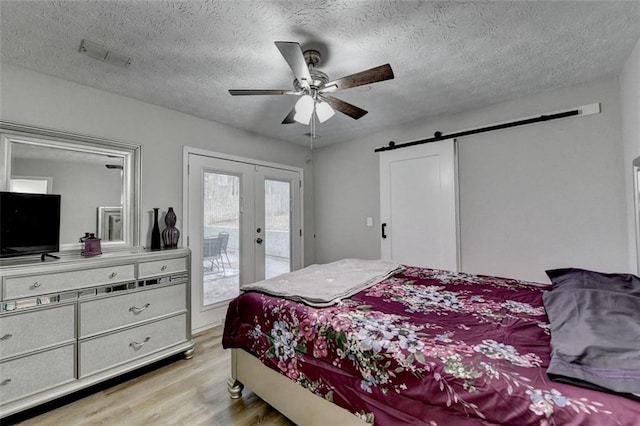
(327, 284)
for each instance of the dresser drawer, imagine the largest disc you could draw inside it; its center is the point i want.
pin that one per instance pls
(162, 267)
(25, 376)
(16, 287)
(106, 314)
(30, 330)
(114, 349)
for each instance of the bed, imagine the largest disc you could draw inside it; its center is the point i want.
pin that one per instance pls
(421, 347)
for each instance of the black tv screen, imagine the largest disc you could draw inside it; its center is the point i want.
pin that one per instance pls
(29, 223)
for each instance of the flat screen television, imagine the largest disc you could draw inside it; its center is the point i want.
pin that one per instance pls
(29, 223)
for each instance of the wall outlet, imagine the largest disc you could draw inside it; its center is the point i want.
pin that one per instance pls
(369, 221)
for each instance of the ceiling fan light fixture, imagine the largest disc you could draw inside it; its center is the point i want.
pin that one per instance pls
(304, 109)
(324, 111)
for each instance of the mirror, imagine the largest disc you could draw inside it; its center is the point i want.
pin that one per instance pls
(98, 180)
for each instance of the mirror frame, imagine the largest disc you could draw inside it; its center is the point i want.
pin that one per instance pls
(636, 198)
(12, 133)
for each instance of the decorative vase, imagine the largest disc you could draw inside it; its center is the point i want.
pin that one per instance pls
(155, 232)
(171, 234)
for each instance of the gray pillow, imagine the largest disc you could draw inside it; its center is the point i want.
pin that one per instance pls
(595, 329)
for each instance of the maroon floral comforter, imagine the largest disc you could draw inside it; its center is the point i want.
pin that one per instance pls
(425, 347)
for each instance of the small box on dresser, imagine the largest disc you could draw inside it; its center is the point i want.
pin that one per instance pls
(70, 323)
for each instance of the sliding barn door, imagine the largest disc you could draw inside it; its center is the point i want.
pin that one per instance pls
(418, 205)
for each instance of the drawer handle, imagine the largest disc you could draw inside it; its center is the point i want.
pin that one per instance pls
(6, 337)
(5, 382)
(137, 310)
(164, 268)
(138, 345)
(113, 275)
(37, 284)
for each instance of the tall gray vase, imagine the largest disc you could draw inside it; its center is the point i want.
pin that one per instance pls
(171, 234)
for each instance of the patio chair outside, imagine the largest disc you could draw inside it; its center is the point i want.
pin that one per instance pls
(224, 236)
(212, 252)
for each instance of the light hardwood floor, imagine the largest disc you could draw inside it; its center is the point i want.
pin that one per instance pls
(182, 392)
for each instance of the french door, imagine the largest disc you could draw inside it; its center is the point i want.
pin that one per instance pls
(244, 225)
(418, 205)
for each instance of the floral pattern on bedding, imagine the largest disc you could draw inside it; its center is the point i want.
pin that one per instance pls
(424, 347)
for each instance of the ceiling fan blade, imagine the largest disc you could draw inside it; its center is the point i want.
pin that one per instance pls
(373, 75)
(242, 92)
(289, 118)
(292, 53)
(344, 107)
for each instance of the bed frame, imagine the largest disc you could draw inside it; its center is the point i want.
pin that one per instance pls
(298, 404)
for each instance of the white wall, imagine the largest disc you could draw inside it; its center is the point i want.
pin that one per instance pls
(630, 100)
(33, 98)
(531, 198)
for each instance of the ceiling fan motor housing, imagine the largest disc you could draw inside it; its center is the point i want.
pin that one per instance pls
(318, 78)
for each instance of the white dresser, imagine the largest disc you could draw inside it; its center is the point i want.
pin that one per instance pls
(70, 323)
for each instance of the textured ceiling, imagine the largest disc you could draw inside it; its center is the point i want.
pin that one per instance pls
(446, 56)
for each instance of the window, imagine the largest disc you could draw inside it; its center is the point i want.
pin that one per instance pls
(31, 185)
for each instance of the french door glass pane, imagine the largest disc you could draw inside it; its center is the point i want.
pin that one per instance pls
(221, 241)
(277, 222)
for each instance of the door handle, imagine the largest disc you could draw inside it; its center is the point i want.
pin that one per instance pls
(259, 241)
(384, 236)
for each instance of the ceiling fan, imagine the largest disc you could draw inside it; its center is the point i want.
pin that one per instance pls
(314, 87)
